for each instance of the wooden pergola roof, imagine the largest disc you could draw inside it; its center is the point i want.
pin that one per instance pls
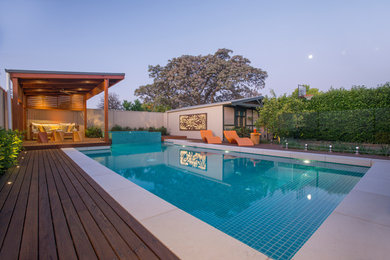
(38, 82)
(64, 90)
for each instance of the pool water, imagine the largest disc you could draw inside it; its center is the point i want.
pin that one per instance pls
(272, 204)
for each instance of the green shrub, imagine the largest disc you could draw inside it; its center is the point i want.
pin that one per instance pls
(162, 129)
(93, 132)
(10, 146)
(117, 128)
(242, 131)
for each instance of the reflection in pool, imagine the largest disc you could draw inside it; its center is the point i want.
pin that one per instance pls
(194, 159)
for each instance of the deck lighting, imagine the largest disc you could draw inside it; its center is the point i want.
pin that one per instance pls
(330, 148)
(286, 145)
(9, 183)
(305, 147)
(226, 151)
(17, 166)
(357, 150)
(308, 196)
(306, 161)
(183, 146)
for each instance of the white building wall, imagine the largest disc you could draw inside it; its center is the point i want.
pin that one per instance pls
(214, 121)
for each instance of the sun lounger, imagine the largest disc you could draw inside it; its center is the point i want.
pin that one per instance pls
(207, 136)
(233, 138)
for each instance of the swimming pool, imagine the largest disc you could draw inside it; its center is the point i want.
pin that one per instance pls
(272, 204)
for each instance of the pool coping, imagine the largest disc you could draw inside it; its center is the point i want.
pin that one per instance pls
(358, 227)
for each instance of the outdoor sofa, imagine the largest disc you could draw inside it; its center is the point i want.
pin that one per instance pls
(66, 128)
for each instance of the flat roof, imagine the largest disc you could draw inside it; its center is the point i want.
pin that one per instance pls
(63, 72)
(235, 102)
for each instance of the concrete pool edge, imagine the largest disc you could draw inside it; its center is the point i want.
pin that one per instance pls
(359, 228)
(185, 235)
(358, 161)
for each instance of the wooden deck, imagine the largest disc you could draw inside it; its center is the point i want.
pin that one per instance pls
(34, 145)
(51, 209)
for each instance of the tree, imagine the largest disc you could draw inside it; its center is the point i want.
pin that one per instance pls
(114, 102)
(194, 80)
(309, 91)
(272, 113)
(130, 106)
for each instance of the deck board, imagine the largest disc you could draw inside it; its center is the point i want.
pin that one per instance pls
(64, 242)
(53, 210)
(47, 242)
(12, 240)
(29, 246)
(134, 242)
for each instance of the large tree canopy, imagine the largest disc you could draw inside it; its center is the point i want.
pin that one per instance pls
(194, 80)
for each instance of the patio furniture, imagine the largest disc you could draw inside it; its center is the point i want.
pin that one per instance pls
(77, 136)
(42, 137)
(207, 136)
(66, 128)
(58, 136)
(233, 138)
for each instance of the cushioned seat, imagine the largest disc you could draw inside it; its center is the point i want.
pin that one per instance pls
(66, 128)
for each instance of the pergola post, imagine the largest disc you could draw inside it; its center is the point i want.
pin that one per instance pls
(106, 139)
(15, 106)
(9, 105)
(85, 113)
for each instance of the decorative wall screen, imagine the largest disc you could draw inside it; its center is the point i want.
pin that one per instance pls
(193, 122)
(193, 159)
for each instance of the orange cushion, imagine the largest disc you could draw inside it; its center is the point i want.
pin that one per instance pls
(70, 128)
(41, 129)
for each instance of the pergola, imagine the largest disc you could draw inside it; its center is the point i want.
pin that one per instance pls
(57, 90)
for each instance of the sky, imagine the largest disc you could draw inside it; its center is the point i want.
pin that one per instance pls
(349, 41)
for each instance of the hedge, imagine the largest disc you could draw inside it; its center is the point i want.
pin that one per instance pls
(357, 115)
(364, 126)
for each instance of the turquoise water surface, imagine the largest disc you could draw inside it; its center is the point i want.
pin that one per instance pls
(272, 204)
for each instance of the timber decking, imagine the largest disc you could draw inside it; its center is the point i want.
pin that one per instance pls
(52, 209)
(34, 145)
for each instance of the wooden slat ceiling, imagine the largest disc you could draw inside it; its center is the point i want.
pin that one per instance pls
(92, 87)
